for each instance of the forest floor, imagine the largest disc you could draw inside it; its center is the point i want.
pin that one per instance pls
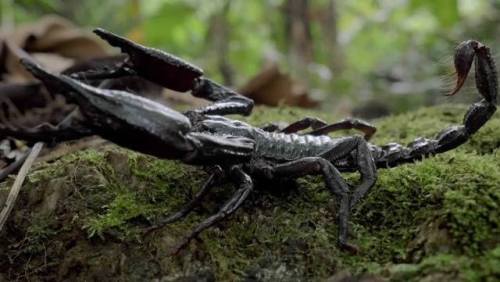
(79, 218)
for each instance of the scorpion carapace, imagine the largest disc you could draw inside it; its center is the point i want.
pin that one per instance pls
(236, 151)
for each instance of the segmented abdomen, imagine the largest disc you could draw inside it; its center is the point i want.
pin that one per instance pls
(285, 147)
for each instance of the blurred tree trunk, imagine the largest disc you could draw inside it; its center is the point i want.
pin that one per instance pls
(330, 32)
(218, 35)
(298, 36)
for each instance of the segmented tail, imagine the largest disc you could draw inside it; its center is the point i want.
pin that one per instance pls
(479, 113)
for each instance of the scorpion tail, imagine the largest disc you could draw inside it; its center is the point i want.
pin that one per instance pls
(478, 114)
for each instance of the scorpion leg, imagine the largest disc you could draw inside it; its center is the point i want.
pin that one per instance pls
(334, 182)
(349, 123)
(209, 183)
(304, 123)
(358, 147)
(245, 187)
(322, 128)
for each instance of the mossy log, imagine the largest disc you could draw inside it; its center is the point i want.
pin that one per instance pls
(80, 217)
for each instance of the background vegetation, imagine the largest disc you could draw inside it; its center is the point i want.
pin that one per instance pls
(81, 217)
(346, 52)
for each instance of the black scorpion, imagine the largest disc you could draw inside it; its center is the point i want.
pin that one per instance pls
(236, 150)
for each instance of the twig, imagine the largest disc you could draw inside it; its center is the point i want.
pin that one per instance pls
(14, 191)
(13, 166)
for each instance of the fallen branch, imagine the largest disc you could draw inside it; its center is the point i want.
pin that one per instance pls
(14, 191)
(13, 166)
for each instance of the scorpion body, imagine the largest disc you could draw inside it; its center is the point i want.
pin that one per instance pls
(237, 151)
(274, 146)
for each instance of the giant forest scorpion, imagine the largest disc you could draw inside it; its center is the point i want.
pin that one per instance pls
(237, 151)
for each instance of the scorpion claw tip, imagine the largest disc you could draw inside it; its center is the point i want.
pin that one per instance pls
(101, 32)
(36, 70)
(28, 63)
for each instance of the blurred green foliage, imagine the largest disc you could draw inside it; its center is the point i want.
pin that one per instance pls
(380, 48)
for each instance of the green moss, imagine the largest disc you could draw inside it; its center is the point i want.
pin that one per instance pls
(447, 267)
(40, 230)
(436, 219)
